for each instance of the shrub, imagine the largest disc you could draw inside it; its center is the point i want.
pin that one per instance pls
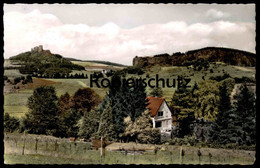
(151, 136)
(17, 80)
(11, 124)
(244, 79)
(29, 78)
(133, 70)
(219, 77)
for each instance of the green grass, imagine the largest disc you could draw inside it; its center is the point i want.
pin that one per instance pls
(18, 100)
(72, 85)
(85, 63)
(195, 76)
(119, 158)
(41, 159)
(12, 73)
(16, 111)
(15, 103)
(80, 153)
(98, 63)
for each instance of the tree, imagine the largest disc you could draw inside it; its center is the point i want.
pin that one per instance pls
(10, 123)
(85, 100)
(183, 104)
(106, 126)
(64, 102)
(156, 92)
(125, 101)
(220, 129)
(244, 118)
(88, 124)
(207, 100)
(43, 111)
(141, 130)
(68, 124)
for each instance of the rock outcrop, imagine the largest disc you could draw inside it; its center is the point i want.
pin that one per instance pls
(211, 54)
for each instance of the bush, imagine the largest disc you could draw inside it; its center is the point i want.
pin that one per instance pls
(133, 70)
(24, 82)
(29, 79)
(219, 77)
(17, 80)
(11, 124)
(151, 136)
(187, 140)
(244, 79)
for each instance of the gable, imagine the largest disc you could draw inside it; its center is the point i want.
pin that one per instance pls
(154, 104)
(165, 109)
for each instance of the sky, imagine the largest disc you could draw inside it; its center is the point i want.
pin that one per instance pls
(119, 32)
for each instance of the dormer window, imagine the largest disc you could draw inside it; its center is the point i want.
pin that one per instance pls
(160, 113)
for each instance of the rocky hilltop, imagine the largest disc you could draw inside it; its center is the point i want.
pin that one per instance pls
(211, 54)
(42, 62)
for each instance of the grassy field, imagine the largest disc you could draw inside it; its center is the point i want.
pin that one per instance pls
(15, 103)
(80, 153)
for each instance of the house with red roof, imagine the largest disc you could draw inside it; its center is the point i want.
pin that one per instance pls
(160, 113)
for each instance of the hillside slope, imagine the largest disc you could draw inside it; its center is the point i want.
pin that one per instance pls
(211, 54)
(108, 63)
(39, 61)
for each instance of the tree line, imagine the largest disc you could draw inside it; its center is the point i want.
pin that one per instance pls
(121, 115)
(85, 115)
(209, 105)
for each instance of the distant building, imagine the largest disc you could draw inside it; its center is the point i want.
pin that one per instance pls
(160, 113)
(39, 49)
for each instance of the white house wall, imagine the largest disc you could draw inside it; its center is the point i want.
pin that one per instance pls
(166, 119)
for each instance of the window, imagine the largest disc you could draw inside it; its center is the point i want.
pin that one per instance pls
(158, 124)
(160, 113)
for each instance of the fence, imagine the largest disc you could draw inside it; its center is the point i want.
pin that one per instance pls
(82, 152)
(33, 144)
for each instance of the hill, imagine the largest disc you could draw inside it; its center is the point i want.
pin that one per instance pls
(98, 62)
(210, 54)
(43, 62)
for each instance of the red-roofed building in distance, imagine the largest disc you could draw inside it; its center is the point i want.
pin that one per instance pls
(160, 113)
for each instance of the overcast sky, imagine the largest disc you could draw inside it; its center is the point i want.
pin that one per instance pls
(117, 33)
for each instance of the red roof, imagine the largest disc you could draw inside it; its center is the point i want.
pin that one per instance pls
(154, 103)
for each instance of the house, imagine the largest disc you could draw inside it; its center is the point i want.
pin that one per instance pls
(160, 113)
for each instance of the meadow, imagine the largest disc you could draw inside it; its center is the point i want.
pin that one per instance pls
(15, 103)
(51, 150)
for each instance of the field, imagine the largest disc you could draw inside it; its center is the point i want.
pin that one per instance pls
(65, 152)
(96, 66)
(15, 102)
(51, 150)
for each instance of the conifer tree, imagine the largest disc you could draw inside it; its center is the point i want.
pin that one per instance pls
(220, 129)
(67, 123)
(244, 118)
(88, 124)
(184, 100)
(125, 101)
(106, 126)
(156, 92)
